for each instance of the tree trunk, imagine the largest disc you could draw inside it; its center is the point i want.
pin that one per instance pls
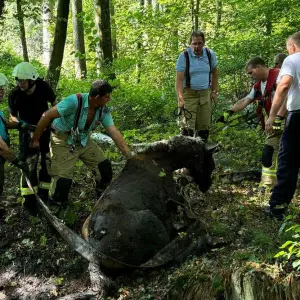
(219, 16)
(102, 16)
(22, 29)
(1, 7)
(139, 46)
(57, 54)
(78, 33)
(47, 10)
(197, 15)
(192, 15)
(113, 30)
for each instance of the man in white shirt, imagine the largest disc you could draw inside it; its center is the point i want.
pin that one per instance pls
(289, 158)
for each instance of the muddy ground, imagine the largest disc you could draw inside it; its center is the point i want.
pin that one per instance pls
(35, 263)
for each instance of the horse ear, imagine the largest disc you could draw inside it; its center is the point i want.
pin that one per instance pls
(213, 149)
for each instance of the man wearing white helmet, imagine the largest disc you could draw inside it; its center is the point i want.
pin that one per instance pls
(27, 102)
(5, 151)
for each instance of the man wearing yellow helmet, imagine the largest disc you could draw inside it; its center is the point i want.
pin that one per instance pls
(27, 103)
(5, 151)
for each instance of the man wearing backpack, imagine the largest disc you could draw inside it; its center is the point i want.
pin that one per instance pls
(73, 119)
(196, 86)
(27, 102)
(262, 93)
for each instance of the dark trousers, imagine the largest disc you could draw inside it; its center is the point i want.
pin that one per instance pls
(41, 181)
(288, 162)
(2, 161)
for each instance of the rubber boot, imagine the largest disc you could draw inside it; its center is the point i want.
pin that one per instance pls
(31, 204)
(62, 189)
(105, 170)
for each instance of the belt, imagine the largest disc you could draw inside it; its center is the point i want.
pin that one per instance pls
(295, 111)
(57, 132)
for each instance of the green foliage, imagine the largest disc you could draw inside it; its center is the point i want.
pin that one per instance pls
(290, 252)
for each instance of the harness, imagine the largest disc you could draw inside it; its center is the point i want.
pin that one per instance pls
(187, 66)
(264, 101)
(75, 135)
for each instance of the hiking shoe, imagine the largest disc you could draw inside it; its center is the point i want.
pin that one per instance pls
(277, 213)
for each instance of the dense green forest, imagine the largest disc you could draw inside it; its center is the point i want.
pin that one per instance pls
(134, 45)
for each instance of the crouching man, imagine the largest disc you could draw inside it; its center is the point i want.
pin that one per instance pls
(73, 119)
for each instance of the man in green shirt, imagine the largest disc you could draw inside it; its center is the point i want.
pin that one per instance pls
(68, 144)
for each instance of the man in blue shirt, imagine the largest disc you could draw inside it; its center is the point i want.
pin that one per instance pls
(68, 144)
(197, 86)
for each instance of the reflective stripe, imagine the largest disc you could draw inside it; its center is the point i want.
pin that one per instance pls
(269, 172)
(28, 191)
(44, 185)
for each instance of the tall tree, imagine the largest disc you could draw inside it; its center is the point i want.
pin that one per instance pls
(139, 46)
(20, 17)
(196, 12)
(102, 17)
(219, 16)
(78, 33)
(1, 7)
(47, 14)
(57, 53)
(113, 30)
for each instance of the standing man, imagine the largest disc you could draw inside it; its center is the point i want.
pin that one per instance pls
(71, 142)
(27, 102)
(278, 60)
(289, 159)
(196, 86)
(262, 92)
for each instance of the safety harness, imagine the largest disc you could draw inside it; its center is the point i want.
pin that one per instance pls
(187, 66)
(75, 135)
(264, 101)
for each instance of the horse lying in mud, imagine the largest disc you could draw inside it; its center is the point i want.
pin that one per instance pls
(131, 224)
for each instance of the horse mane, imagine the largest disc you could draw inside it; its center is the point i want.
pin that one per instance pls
(177, 144)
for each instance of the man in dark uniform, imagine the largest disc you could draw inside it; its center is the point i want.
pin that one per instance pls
(27, 102)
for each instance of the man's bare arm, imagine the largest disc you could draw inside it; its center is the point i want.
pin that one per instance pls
(179, 88)
(241, 104)
(45, 120)
(117, 137)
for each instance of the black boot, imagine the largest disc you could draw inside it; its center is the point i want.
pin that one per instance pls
(43, 193)
(105, 170)
(203, 134)
(31, 204)
(62, 189)
(187, 132)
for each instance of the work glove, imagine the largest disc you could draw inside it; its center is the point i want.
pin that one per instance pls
(226, 115)
(21, 165)
(23, 126)
(277, 125)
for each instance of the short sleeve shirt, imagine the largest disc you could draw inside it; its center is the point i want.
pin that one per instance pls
(291, 67)
(263, 85)
(199, 68)
(67, 109)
